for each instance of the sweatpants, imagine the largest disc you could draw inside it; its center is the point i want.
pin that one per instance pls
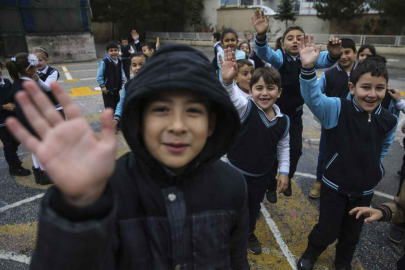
(111, 100)
(336, 223)
(321, 155)
(257, 187)
(10, 147)
(125, 66)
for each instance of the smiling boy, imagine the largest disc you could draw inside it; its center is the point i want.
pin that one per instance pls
(359, 133)
(263, 138)
(242, 79)
(170, 203)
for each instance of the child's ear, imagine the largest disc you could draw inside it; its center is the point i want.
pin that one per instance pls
(236, 79)
(351, 87)
(212, 122)
(279, 92)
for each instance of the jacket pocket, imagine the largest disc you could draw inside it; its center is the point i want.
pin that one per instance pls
(331, 160)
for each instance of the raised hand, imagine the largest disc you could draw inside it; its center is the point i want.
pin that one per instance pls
(75, 159)
(309, 53)
(229, 69)
(260, 22)
(395, 94)
(157, 43)
(135, 35)
(334, 47)
(372, 214)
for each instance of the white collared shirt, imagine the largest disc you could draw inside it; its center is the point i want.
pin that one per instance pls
(2, 82)
(46, 85)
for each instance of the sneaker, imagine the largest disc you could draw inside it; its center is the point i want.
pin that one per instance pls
(254, 245)
(18, 170)
(397, 234)
(44, 178)
(36, 175)
(288, 191)
(304, 264)
(315, 191)
(271, 196)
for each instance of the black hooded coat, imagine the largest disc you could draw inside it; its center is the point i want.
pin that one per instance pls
(149, 217)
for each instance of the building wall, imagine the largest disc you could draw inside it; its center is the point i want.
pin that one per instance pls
(210, 12)
(65, 48)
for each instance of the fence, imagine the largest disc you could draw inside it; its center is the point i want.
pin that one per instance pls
(389, 41)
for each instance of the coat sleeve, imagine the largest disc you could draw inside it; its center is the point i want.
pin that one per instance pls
(394, 211)
(74, 243)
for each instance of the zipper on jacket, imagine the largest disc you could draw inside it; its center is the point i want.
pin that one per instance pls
(369, 117)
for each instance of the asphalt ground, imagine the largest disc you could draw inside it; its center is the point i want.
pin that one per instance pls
(282, 228)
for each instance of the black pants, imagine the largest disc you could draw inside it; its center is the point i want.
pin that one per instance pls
(10, 147)
(125, 66)
(257, 187)
(336, 223)
(111, 100)
(296, 129)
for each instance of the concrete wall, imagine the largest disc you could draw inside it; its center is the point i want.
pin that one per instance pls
(240, 20)
(103, 31)
(210, 12)
(65, 48)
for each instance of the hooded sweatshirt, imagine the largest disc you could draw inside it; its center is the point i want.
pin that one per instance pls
(149, 217)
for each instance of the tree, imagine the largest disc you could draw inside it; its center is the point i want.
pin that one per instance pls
(285, 12)
(341, 10)
(196, 18)
(393, 10)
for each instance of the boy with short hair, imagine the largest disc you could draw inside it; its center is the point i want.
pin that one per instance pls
(334, 82)
(149, 49)
(288, 63)
(125, 53)
(242, 79)
(110, 76)
(359, 133)
(216, 40)
(263, 137)
(170, 203)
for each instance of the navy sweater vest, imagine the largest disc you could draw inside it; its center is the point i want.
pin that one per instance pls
(113, 75)
(290, 100)
(337, 83)
(43, 77)
(255, 151)
(353, 149)
(125, 51)
(5, 92)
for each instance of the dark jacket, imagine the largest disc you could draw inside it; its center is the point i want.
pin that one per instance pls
(149, 217)
(5, 91)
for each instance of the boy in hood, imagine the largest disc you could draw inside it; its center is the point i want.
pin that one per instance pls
(170, 203)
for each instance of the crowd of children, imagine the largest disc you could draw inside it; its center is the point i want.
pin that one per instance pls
(180, 113)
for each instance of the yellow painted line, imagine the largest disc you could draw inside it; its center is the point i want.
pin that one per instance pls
(295, 217)
(63, 72)
(72, 80)
(402, 93)
(18, 238)
(83, 91)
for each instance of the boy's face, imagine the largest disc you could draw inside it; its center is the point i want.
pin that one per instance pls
(42, 63)
(176, 126)
(347, 57)
(145, 50)
(213, 40)
(290, 42)
(136, 64)
(265, 95)
(363, 55)
(230, 41)
(124, 42)
(113, 53)
(243, 78)
(369, 91)
(245, 48)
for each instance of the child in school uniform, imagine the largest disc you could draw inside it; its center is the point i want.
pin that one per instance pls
(365, 51)
(22, 68)
(229, 40)
(125, 53)
(288, 63)
(263, 137)
(110, 76)
(242, 79)
(137, 61)
(251, 55)
(10, 144)
(216, 40)
(334, 82)
(149, 48)
(170, 203)
(359, 133)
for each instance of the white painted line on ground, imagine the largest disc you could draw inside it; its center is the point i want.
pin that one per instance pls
(5, 208)
(6, 255)
(83, 70)
(87, 64)
(276, 232)
(67, 74)
(378, 193)
(86, 79)
(97, 88)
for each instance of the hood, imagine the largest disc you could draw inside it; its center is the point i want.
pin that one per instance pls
(179, 67)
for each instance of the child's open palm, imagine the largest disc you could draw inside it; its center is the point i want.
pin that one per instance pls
(309, 53)
(334, 47)
(75, 159)
(260, 22)
(229, 69)
(135, 35)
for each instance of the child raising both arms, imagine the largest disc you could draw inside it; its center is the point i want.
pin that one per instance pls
(263, 138)
(170, 203)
